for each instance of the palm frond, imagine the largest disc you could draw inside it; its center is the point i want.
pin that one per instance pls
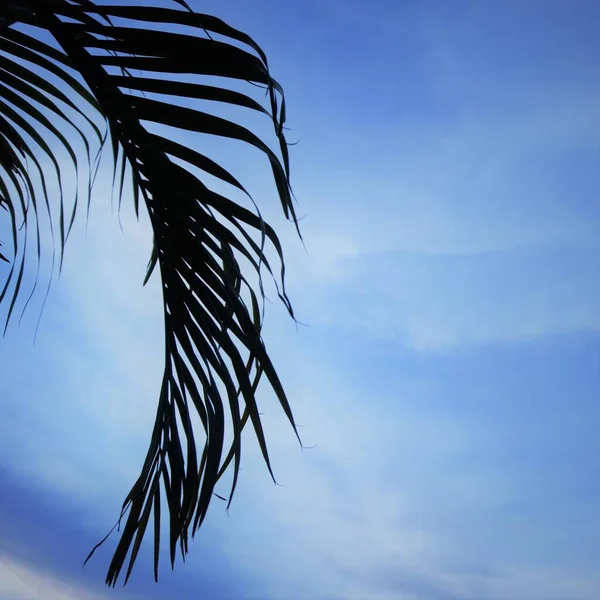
(214, 352)
(28, 134)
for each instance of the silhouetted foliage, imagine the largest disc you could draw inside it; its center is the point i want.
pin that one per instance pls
(214, 352)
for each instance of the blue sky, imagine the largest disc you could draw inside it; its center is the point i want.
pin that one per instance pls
(449, 171)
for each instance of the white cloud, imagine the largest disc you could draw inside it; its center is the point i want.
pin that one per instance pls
(19, 581)
(440, 302)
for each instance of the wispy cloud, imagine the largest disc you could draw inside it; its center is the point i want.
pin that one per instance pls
(19, 581)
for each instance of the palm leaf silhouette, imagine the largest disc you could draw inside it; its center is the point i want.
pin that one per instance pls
(214, 353)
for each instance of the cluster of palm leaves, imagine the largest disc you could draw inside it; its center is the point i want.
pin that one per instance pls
(99, 73)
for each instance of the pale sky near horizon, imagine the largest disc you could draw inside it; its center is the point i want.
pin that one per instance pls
(448, 173)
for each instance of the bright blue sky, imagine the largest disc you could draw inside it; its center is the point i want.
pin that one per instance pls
(449, 168)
